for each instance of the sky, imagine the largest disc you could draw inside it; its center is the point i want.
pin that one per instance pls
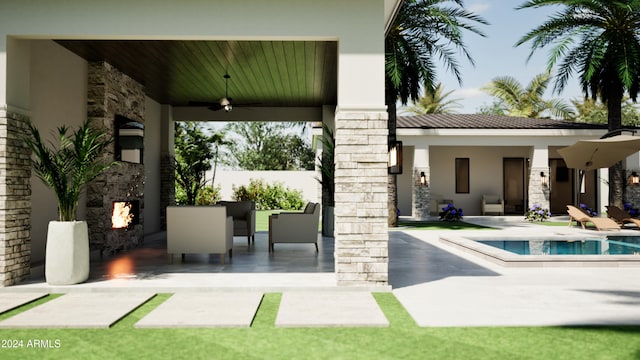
(495, 54)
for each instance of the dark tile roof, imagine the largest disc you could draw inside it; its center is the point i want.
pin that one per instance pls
(477, 121)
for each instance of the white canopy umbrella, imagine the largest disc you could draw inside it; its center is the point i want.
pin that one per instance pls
(599, 153)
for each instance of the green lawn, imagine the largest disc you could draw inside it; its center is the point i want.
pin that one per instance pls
(402, 340)
(262, 219)
(439, 225)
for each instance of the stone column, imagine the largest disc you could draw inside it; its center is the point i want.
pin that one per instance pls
(421, 196)
(538, 194)
(15, 200)
(361, 233)
(631, 192)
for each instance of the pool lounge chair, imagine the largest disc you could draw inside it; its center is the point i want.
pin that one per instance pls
(601, 223)
(620, 216)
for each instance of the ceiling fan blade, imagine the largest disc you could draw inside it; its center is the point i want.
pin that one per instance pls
(215, 107)
(202, 103)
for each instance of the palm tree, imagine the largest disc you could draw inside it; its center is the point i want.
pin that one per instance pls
(527, 102)
(423, 32)
(435, 102)
(599, 40)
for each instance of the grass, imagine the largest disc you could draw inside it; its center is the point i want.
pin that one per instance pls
(440, 225)
(401, 340)
(262, 219)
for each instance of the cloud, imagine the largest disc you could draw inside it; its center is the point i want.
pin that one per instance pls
(479, 7)
(467, 93)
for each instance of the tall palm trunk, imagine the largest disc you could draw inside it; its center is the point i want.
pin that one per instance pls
(616, 172)
(392, 183)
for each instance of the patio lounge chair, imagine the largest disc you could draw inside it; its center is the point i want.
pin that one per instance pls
(289, 227)
(601, 223)
(620, 216)
(492, 204)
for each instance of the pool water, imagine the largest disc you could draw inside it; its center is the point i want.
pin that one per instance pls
(611, 245)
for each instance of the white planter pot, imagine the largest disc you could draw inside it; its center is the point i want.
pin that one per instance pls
(67, 253)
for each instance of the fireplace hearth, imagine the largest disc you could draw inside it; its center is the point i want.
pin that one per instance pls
(125, 214)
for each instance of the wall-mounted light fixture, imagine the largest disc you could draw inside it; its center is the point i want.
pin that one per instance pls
(634, 179)
(423, 179)
(544, 180)
(395, 157)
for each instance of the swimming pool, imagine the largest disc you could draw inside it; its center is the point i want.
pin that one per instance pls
(611, 245)
(552, 250)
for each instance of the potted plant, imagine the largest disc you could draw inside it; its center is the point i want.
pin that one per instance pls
(66, 169)
(327, 179)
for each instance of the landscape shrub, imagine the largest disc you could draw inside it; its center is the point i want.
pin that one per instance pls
(269, 196)
(450, 213)
(537, 213)
(209, 195)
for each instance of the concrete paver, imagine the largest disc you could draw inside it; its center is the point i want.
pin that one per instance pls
(204, 309)
(11, 301)
(502, 296)
(339, 309)
(88, 310)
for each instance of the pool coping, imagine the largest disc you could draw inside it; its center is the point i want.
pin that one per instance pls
(508, 259)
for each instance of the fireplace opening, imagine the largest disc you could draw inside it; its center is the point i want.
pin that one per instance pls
(125, 214)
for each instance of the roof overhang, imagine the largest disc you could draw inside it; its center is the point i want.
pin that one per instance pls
(391, 8)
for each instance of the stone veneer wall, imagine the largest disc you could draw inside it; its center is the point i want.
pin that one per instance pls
(421, 196)
(361, 233)
(537, 193)
(631, 192)
(111, 93)
(15, 200)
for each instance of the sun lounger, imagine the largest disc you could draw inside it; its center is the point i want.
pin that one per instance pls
(620, 216)
(601, 223)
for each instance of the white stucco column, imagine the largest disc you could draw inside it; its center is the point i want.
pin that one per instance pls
(539, 194)
(361, 232)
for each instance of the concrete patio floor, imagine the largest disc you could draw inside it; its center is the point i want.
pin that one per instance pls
(438, 285)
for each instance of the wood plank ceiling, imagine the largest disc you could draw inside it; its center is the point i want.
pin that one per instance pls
(265, 73)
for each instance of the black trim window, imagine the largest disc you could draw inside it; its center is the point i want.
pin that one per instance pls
(462, 175)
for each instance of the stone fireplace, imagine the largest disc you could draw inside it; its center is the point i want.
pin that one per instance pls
(125, 214)
(113, 96)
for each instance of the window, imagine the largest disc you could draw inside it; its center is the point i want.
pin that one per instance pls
(462, 175)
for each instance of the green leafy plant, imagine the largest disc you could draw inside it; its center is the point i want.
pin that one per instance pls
(209, 195)
(537, 213)
(327, 166)
(450, 213)
(69, 166)
(269, 196)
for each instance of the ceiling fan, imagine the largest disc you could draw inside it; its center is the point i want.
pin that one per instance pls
(225, 103)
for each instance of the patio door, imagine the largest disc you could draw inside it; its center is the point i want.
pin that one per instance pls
(514, 176)
(562, 189)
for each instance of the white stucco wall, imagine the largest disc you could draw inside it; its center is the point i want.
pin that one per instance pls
(305, 181)
(58, 93)
(485, 172)
(152, 145)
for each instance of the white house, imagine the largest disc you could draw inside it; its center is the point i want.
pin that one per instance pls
(464, 157)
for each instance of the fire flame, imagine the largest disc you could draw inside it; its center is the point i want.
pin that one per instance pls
(121, 216)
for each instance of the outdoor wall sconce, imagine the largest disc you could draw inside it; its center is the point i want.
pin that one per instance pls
(423, 179)
(395, 157)
(634, 179)
(544, 181)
